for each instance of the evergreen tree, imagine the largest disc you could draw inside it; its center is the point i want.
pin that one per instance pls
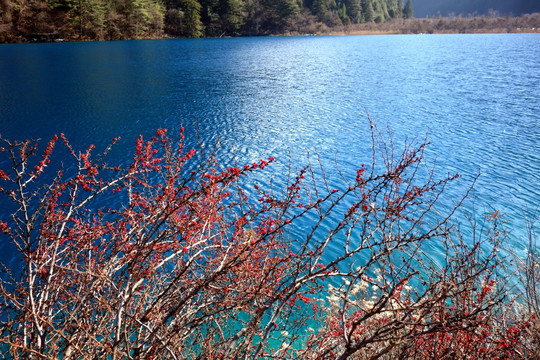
(232, 13)
(276, 15)
(320, 7)
(384, 10)
(408, 12)
(254, 11)
(192, 14)
(368, 12)
(377, 11)
(354, 10)
(287, 8)
(183, 18)
(210, 17)
(145, 17)
(342, 13)
(92, 22)
(397, 9)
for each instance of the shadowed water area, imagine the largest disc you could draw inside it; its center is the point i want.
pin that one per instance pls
(477, 97)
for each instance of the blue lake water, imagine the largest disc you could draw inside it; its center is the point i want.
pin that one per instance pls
(476, 96)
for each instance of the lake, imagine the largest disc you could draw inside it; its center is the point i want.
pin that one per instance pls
(477, 97)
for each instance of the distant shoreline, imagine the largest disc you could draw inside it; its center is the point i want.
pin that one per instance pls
(374, 32)
(529, 23)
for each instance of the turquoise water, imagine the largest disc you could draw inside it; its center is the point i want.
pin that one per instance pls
(476, 96)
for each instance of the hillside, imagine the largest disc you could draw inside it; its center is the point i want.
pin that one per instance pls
(424, 8)
(120, 19)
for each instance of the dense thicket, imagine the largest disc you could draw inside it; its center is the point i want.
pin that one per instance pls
(528, 23)
(175, 256)
(120, 19)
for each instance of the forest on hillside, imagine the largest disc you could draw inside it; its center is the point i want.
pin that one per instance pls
(128, 19)
(448, 8)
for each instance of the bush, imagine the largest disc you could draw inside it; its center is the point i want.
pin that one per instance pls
(184, 262)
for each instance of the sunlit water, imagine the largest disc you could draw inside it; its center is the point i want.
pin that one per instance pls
(476, 96)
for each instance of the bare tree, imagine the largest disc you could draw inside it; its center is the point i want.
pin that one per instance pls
(170, 258)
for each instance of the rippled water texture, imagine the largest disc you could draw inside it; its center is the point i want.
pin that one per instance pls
(477, 96)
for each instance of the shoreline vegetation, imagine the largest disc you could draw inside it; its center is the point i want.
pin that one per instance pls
(61, 20)
(399, 27)
(525, 24)
(529, 23)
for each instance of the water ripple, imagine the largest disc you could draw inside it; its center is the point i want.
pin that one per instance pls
(478, 97)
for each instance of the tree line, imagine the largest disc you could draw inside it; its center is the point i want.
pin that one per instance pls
(527, 23)
(125, 19)
(476, 7)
